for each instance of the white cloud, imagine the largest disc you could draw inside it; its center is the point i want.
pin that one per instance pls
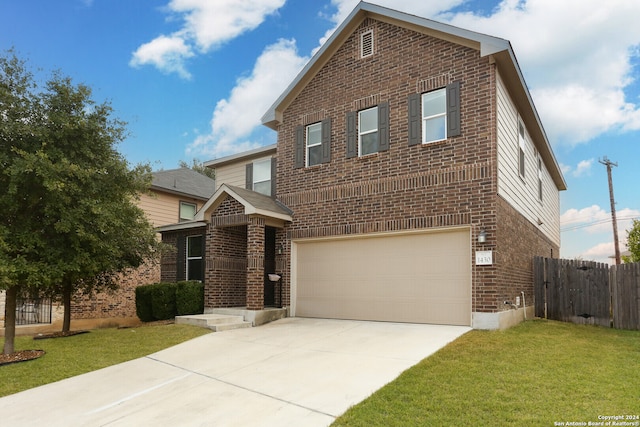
(166, 53)
(594, 220)
(583, 168)
(236, 118)
(206, 25)
(576, 56)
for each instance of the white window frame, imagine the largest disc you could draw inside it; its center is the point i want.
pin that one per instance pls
(182, 218)
(426, 119)
(522, 145)
(255, 178)
(317, 125)
(192, 258)
(367, 132)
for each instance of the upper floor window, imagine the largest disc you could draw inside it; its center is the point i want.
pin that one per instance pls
(521, 148)
(434, 116)
(187, 211)
(539, 177)
(262, 176)
(368, 131)
(313, 144)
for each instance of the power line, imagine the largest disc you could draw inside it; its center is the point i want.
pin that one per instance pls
(592, 223)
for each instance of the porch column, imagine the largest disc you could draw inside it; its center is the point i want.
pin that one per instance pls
(255, 264)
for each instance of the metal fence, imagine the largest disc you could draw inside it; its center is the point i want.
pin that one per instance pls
(32, 311)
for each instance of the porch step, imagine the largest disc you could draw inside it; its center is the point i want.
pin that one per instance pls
(215, 322)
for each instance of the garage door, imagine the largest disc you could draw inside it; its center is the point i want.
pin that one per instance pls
(417, 278)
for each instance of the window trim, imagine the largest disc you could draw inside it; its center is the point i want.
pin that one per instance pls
(184, 203)
(189, 258)
(522, 143)
(307, 146)
(425, 119)
(361, 134)
(253, 175)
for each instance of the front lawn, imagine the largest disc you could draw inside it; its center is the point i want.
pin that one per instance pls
(540, 373)
(78, 354)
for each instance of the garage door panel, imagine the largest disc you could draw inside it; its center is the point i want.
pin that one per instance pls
(419, 277)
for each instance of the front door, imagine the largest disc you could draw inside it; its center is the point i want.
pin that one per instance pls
(269, 266)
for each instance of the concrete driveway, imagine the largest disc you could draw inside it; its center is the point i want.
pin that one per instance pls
(292, 372)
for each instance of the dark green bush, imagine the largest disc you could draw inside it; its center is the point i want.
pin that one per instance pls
(189, 298)
(143, 303)
(163, 301)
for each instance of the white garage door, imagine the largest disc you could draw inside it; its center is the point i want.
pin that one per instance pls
(416, 277)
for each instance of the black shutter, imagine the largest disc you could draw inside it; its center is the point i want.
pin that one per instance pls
(249, 177)
(299, 152)
(453, 109)
(352, 134)
(273, 176)
(181, 254)
(326, 140)
(415, 119)
(383, 126)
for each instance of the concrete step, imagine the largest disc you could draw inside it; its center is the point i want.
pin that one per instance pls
(215, 322)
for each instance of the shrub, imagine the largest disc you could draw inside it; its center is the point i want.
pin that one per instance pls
(189, 298)
(143, 303)
(163, 301)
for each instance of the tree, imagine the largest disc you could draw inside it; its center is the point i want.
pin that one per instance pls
(199, 167)
(633, 242)
(70, 221)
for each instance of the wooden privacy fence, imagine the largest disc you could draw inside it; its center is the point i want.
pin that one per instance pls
(587, 292)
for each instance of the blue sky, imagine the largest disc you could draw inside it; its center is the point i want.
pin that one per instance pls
(193, 77)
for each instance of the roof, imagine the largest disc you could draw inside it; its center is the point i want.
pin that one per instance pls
(254, 204)
(499, 49)
(184, 182)
(258, 152)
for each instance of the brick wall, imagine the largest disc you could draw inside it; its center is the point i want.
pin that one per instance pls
(120, 303)
(226, 266)
(443, 184)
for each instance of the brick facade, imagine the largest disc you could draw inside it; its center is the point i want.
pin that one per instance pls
(445, 184)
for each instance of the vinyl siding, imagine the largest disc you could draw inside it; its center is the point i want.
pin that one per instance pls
(163, 208)
(235, 173)
(519, 192)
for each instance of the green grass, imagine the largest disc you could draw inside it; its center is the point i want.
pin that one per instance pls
(536, 374)
(78, 354)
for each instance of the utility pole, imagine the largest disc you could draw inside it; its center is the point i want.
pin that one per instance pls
(608, 163)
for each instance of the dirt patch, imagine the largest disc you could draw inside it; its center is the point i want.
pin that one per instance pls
(20, 356)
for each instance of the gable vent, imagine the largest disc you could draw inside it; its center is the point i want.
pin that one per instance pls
(366, 44)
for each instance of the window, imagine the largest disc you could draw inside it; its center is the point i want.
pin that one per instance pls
(521, 148)
(187, 211)
(434, 116)
(314, 144)
(195, 252)
(262, 177)
(368, 131)
(539, 178)
(366, 44)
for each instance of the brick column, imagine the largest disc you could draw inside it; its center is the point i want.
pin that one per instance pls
(255, 264)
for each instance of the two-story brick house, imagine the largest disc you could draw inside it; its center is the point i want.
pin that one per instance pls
(412, 181)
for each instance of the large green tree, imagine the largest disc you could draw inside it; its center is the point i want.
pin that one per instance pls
(69, 218)
(633, 242)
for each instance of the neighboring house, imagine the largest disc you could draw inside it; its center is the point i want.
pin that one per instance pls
(175, 195)
(413, 182)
